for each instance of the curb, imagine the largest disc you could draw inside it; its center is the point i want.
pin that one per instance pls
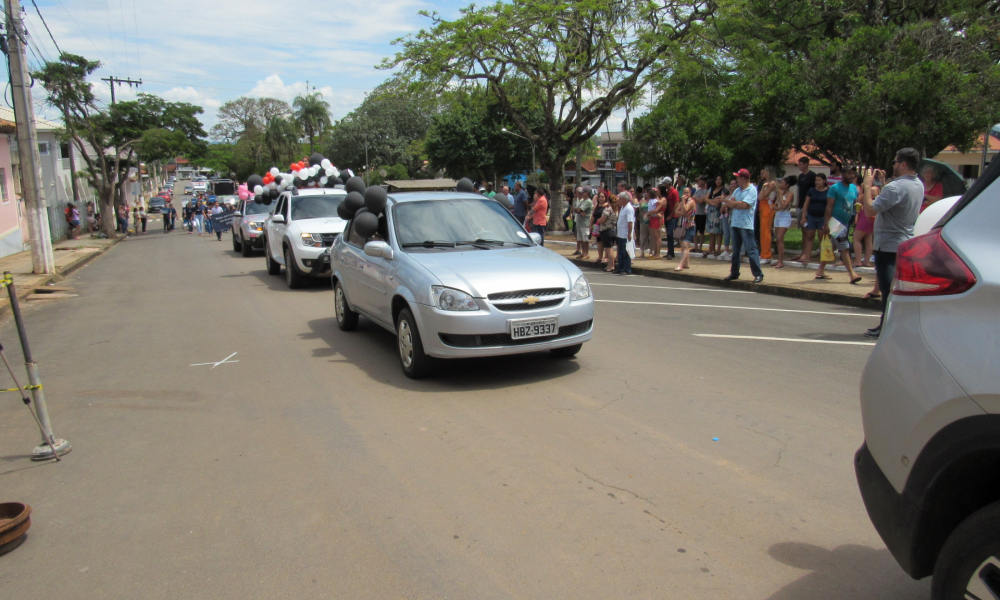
(747, 285)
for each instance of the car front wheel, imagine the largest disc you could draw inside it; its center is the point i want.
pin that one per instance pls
(245, 249)
(415, 362)
(968, 565)
(236, 243)
(273, 268)
(347, 319)
(293, 278)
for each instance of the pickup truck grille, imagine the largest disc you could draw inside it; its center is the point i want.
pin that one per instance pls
(329, 238)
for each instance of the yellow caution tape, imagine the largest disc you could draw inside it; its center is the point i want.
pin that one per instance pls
(30, 388)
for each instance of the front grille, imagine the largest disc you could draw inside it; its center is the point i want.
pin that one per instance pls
(504, 339)
(329, 238)
(525, 293)
(522, 306)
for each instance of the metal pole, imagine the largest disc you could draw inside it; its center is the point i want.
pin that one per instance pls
(42, 259)
(45, 451)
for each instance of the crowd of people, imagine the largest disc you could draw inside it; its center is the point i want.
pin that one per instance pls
(132, 220)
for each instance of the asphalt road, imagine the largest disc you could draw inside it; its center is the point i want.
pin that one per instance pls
(312, 468)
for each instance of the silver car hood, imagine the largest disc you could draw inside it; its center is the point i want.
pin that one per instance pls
(484, 272)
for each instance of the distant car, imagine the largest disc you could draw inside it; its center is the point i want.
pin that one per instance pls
(248, 226)
(299, 231)
(200, 186)
(930, 402)
(455, 275)
(156, 205)
(188, 189)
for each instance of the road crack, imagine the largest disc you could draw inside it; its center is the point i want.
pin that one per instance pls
(614, 487)
(781, 451)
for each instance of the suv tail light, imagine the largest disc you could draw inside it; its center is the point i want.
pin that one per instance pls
(927, 266)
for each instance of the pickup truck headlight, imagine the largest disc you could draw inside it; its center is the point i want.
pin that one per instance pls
(581, 289)
(447, 298)
(254, 225)
(312, 239)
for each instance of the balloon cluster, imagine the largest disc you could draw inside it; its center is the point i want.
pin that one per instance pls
(364, 205)
(315, 171)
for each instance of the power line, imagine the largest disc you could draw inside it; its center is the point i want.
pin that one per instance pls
(128, 67)
(51, 37)
(107, 11)
(138, 49)
(82, 30)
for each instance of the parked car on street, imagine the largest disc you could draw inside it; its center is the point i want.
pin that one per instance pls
(188, 189)
(455, 275)
(299, 230)
(930, 403)
(248, 226)
(200, 185)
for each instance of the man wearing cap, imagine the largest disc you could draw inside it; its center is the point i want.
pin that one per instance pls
(742, 205)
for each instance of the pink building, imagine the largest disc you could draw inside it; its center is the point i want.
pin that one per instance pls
(11, 238)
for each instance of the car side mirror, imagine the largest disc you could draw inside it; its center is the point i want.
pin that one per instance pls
(278, 218)
(379, 249)
(237, 214)
(536, 237)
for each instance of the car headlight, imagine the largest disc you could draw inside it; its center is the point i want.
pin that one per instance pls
(312, 239)
(447, 298)
(581, 289)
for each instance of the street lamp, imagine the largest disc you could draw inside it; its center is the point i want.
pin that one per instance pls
(533, 172)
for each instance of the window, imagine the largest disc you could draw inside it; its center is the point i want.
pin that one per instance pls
(64, 150)
(970, 171)
(4, 197)
(611, 154)
(43, 148)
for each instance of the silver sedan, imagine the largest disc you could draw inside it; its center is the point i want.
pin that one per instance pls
(454, 275)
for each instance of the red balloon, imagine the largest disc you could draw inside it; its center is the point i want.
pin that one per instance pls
(295, 166)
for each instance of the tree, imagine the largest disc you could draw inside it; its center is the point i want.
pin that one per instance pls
(389, 120)
(467, 139)
(312, 114)
(243, 115)
(587, 57)
(867, 77)
(108, 138)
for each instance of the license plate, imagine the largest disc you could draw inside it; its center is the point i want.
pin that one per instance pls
(529, 328)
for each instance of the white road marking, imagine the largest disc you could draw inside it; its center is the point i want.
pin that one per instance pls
(215, 364)
(777, 339)
(788, 310)
(683, 289)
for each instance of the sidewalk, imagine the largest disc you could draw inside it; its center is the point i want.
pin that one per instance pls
(793, 281)
(69, 256)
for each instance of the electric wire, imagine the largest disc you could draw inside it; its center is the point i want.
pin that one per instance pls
(51, 37)
(82, 30)
(128, 62)
(114, 57)
(138, 48)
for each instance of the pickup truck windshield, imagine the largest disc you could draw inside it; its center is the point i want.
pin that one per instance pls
(315, 207)
(456, 223)
(252, 208)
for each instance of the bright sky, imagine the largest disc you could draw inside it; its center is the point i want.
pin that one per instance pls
(209, 51)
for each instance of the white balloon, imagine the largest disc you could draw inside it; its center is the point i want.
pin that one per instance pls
(323, 180)
(335, 172)
(272, 186)
(274, 172)
(257, 189)
(325, 163)
(328, 171)
(304, 174)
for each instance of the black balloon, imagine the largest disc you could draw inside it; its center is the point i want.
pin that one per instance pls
(465, 185)
(274, 194)
(254, 180)
(344, 176)
(365, 224)
(354, 202)
(375, 198)
(315, 159)
(342, 211)
(355, 184)
(277, 179)
(267, 200)
(259, 199)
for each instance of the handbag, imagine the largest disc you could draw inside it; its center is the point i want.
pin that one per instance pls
(680, 231)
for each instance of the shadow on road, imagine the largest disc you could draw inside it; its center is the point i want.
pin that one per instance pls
(373, 350)
(842, 573)
(276, 283)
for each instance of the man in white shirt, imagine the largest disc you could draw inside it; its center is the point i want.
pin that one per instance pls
(626, 233)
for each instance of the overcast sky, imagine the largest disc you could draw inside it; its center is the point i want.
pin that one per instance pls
(209, 51)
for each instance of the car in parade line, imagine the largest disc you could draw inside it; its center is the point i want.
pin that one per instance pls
(188, 190)
(200, 185)
(454, 275)
(930, 402)
(297, 233)
(248, 226)
(155, 205)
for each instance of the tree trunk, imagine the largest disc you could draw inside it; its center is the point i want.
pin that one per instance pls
(579, 167)
(109, 216)
(556, 171)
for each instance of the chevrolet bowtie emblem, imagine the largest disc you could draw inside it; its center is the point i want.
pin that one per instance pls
(531, 300)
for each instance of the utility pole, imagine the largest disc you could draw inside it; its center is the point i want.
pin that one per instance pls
(112, 81)
(32, 190)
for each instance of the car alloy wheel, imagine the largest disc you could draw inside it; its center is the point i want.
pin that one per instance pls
(985, 580)
(347, 319)
(338, 302)
(405, 335)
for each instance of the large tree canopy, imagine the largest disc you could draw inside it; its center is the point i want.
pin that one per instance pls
(587, 57)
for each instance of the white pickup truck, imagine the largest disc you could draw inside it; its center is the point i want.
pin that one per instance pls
(298, 232)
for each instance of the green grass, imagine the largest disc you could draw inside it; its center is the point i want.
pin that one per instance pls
(793, 239)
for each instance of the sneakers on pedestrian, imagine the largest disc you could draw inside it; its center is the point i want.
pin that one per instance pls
(758, 279)
(730, 277)
(874, 333)
(876, 329)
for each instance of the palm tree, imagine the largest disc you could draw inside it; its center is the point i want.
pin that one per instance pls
(312, 114)
(281, 139)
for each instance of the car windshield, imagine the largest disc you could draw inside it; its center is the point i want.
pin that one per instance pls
(456, 223)
(252, 208)
(315, 207)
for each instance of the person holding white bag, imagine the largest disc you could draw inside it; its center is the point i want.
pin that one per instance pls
(626, 234)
